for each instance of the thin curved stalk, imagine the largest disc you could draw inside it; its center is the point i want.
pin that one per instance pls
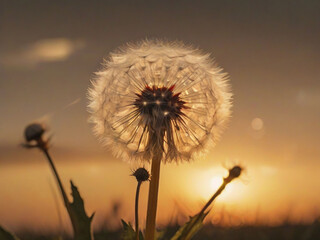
(57, 177)
(137, 210)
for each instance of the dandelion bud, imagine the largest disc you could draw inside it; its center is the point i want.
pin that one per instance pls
(234, 173)
(141, 174)
(34, 131)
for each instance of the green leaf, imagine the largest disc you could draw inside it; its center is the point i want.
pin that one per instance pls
(129, 233)
(189, 229)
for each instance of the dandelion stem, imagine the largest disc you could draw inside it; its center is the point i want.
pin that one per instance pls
(214, 196)
(137, 210)
(200, 214)
(63, 192)
(153, 196)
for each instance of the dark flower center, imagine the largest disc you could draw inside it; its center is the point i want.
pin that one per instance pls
(159, 102)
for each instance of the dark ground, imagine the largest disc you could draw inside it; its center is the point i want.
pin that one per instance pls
(283, 232)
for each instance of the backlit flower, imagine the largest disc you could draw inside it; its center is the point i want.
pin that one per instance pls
(157, 95)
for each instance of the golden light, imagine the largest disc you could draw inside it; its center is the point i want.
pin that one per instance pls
(205, 186)
(215, 183)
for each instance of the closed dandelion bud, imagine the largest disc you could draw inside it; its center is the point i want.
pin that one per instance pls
(234, 173)
(34, 132)
(141, 175)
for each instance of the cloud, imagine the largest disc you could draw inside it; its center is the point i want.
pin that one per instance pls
(44, 50)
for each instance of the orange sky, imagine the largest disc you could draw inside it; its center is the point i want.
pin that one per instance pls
(267, 193)
(270, 49)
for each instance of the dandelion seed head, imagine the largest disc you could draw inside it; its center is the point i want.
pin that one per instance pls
(157, 93)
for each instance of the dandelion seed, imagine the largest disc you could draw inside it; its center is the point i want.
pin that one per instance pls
(157, 90)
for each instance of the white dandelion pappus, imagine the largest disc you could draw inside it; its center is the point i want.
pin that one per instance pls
(159, 95)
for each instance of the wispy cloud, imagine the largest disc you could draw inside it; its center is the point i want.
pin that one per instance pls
(44, 50)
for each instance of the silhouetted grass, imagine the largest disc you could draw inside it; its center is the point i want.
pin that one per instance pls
(210, 231)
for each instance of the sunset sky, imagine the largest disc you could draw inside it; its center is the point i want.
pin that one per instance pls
(49, 51)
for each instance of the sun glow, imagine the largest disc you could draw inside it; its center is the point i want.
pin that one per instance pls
(215, 183)
(210, 181)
